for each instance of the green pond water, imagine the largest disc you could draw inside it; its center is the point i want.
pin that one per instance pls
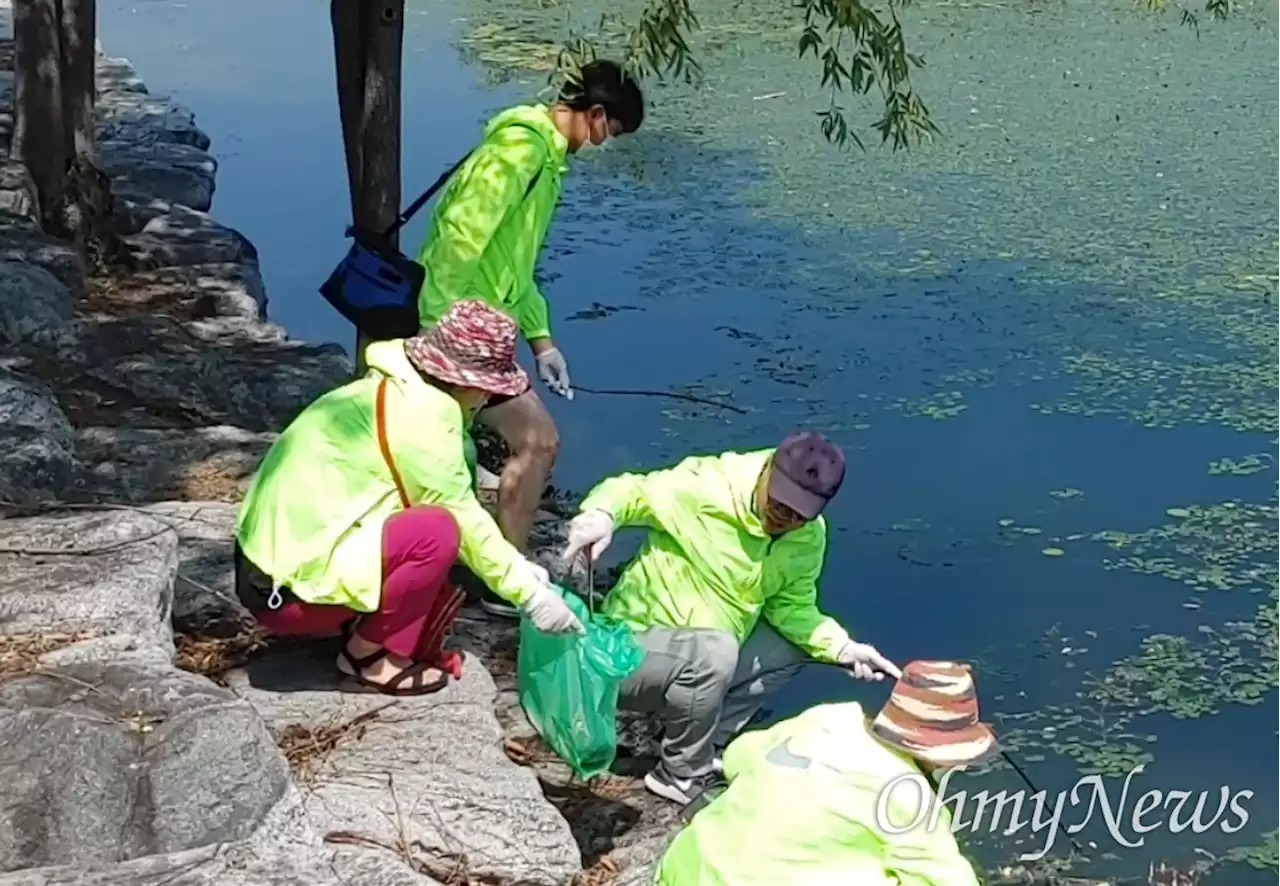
(1047, 341)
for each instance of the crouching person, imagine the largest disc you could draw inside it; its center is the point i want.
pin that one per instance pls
(365, 501)
(723, 592)
(827, 798)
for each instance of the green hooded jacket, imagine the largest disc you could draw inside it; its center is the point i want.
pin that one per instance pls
(312, 517)
(707, 562)
(817, 801)
(485, 233)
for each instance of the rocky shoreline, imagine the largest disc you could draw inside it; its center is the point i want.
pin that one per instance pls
(149, 733)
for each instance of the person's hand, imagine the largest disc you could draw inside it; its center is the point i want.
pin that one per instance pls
(865, 661)
(592, 528)
(540, 573)
(550, 614)
(554, 371)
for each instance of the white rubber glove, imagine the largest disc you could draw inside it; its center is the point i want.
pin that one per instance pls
(592, 528)
(550, 614)
(554, 372)
(866, 662)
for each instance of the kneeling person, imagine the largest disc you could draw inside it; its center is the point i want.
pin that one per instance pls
(723, 592)
(362, 505)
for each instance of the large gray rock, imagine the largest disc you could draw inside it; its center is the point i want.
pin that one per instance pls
(145, 464)
(22, 240)
(430, 769)
(17, 190)
(116, 75)
(31, 300)
(189, 292)
(37, 457)
(205, 594)
(153, 371)
(108, 574)
(283, 851)
(103, 764)
(164, 171)
(140, 118)
(184, 236)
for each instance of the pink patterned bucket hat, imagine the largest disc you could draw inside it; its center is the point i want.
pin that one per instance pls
(474, 346)
(932, 714)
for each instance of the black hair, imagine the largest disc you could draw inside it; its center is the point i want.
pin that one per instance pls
(605, 83)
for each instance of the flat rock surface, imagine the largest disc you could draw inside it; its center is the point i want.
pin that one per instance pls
(428, 773)
(138, 465)
(154, 372)
(116, 75)
(184, 236)
(186, 292)
(167, 171)
(140, 118)
(107, 763)
(104, 574)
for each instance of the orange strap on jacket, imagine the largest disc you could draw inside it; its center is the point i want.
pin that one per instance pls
(380, 419)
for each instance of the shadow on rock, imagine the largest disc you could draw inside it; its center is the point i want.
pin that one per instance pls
(296, 665)
(596, 814)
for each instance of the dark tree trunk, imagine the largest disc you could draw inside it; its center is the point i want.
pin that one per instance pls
(39, 132)
(79, 27)
(367, 47)
(347, 18)
(378, 202)
(54, 126)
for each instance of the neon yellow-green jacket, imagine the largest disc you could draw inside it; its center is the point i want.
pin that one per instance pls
(707, 562)
(485, 234)
(312, 518)
(801, 809)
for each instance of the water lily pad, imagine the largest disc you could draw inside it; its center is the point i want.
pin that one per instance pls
(1053, 552)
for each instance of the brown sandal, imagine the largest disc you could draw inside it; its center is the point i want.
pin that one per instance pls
(394, 686)
(358, 665)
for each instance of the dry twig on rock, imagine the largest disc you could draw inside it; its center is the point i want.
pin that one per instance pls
(212, 657)
(307, 749)
(20, 653)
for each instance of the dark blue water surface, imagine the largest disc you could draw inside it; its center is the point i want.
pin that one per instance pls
(1084, 204)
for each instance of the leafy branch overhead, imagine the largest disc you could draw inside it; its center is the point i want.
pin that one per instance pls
(859, 46)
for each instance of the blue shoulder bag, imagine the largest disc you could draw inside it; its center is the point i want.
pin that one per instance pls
(375, 286)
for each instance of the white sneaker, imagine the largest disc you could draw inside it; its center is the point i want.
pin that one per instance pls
(678, 790)
(717, 765)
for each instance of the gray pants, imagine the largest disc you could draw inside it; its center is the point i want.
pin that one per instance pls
(706, 688)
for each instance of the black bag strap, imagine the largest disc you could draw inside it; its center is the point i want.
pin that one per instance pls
(413, 208)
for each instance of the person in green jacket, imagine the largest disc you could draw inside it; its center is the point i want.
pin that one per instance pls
(723, 592)
(483, 241)
(827, 799)
(361, 506)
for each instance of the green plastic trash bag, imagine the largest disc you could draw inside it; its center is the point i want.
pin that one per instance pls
(568, 685)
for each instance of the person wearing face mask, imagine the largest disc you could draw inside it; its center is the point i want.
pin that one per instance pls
(364, 502)
(723, 592)
(483, 241)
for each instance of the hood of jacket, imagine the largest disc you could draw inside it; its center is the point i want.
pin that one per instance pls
(537, 118)
(389, 358)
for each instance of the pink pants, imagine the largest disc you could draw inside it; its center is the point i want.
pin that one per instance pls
(419, 546)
